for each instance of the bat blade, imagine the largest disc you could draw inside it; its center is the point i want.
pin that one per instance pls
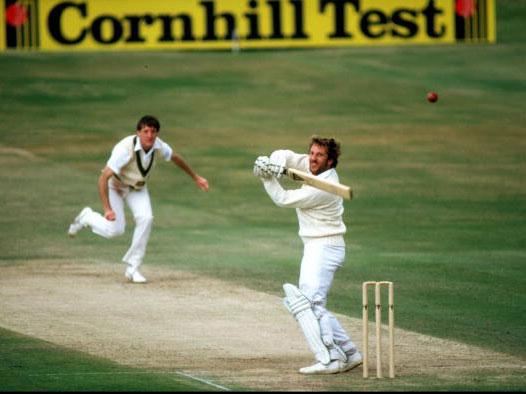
(322, 184)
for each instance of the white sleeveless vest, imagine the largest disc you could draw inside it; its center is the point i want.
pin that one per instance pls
(133, 174)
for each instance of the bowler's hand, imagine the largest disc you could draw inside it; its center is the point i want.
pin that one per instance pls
(202, 183)
(109, 215)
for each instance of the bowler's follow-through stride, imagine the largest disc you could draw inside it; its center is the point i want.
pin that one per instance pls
(124, 180)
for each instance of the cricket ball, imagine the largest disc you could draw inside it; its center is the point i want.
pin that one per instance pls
(432, 97)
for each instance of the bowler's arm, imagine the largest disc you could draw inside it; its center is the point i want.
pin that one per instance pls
(178, 160)
(105, 176)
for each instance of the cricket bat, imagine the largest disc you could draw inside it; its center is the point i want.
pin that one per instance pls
(322, 184)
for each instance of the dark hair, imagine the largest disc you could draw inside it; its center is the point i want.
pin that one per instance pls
(149, 120)
(333, 148)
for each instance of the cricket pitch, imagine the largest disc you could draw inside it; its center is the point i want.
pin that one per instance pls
(205, 327)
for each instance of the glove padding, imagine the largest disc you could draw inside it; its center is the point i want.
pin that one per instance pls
(276, 169)
(264, 168)
(260, 167)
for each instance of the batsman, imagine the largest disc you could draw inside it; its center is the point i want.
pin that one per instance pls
(322, 230)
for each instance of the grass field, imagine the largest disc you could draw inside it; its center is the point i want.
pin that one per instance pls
(440, 189)
(52, 368)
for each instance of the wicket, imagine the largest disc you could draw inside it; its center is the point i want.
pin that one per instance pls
(365, 317)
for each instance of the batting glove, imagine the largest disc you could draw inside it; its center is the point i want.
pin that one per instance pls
(261, 167)
(276, 169)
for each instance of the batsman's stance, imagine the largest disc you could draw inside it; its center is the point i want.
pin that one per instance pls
(124, 179)
(321, 228)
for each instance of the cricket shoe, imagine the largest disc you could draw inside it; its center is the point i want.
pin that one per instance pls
(78, 224)
(334, 366)
(134, 276)
(352, 361)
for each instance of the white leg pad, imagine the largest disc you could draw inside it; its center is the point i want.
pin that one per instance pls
(327, 337)
(300, 307)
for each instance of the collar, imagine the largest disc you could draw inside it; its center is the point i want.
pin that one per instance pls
(138, 146)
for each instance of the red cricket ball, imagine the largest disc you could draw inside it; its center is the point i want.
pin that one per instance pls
(432, 97)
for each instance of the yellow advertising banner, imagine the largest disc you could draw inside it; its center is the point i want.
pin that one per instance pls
(2, 29)
(241, 24)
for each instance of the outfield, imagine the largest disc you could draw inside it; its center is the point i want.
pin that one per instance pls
(439, 207)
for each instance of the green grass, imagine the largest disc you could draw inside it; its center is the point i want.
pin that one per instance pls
(440, 188)
(53, 368)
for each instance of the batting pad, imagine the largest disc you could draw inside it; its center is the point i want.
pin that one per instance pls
(300, 307)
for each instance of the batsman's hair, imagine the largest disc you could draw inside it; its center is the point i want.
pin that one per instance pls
(333, 148)
(150, 121)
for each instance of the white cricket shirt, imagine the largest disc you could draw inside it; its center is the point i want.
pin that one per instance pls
(121, 155)
(319, 212)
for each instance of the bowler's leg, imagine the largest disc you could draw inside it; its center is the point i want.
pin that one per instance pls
(98, 223)
(140, 205)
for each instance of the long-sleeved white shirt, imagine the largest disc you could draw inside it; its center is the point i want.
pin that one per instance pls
(319, 212)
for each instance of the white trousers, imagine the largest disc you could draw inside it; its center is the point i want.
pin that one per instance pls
(139, 203)
(318, 265)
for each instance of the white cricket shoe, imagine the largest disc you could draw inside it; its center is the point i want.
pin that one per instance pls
(78, 224)
(352, 361)
(334, 366)
(134, 275)
(322, 369)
